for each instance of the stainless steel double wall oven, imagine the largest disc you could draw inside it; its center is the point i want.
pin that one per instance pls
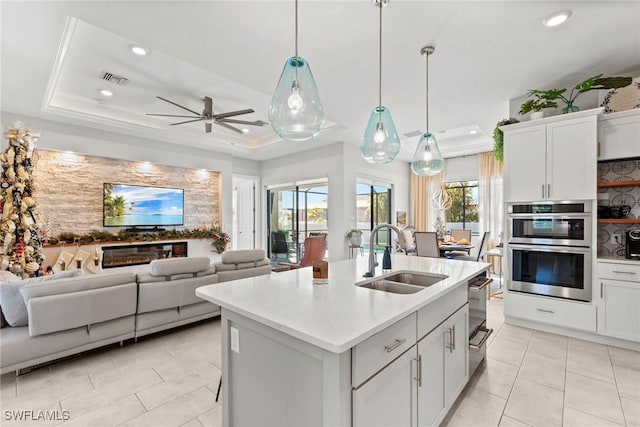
(550, 248)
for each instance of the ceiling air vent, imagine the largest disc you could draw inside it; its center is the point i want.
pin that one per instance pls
(114, 78)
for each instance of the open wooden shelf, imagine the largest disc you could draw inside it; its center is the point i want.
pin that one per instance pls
(618, 220)
(611, 184)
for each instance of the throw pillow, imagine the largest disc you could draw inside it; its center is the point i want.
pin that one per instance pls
(12, 303)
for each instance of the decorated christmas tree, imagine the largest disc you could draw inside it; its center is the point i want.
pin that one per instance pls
(20, 245)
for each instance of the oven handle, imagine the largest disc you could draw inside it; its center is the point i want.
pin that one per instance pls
(549, 248)
(565, 215)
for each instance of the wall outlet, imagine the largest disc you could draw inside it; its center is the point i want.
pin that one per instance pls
(235, 339)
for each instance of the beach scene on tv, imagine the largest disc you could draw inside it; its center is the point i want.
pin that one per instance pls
(136, 205)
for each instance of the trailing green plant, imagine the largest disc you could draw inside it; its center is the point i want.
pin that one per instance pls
(592, 83)
(498, 138)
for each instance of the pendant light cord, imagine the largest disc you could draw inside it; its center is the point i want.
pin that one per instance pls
(380, 58)
(427, 95)
(296, 8)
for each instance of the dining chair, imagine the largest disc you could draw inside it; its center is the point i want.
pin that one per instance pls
(427, 244)
(314, 249)
(481, 249)
(279, 245)
(405, 242)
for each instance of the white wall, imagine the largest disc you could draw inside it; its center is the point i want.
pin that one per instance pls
(342, 164)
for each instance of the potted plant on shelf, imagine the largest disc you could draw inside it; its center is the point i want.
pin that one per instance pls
(536, 105)
(355, 237)
(595, 82)
(498, 138)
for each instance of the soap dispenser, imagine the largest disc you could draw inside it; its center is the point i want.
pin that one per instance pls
(386, 259)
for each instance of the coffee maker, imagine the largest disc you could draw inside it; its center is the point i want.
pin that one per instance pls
(632, 244)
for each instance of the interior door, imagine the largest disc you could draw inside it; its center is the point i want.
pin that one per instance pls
(244, 213)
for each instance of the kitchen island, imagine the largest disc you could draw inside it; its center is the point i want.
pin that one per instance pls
(295, 353)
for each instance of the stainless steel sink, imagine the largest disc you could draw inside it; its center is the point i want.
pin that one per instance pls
(416, 279)
(403, 282)
(393, 287)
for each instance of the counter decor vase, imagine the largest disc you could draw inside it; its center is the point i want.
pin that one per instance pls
(536, 115)
(570, 108)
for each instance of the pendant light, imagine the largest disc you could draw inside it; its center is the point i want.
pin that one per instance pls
(427, 159)
(380, 143)
(295, 112)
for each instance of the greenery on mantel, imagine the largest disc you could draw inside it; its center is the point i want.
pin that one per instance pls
(98, 236)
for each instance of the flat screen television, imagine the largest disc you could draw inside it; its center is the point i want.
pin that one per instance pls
(142, 206)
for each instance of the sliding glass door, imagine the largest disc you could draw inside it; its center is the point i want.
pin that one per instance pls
(294, 213)
(373, 207)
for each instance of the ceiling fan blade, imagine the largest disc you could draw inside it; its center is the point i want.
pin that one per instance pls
(168, 115)
(188, 121)
(207, 127)
(233, 113)
(208, 106)
(178, 105)
(224, 125)
(243, 122)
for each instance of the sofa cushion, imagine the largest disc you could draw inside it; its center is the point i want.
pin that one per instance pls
(11, 301)
(148, 278)
(154, 296)
(242, 256)
(172, 266)
(75, 302)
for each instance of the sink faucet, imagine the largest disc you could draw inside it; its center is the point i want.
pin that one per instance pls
(372, 262)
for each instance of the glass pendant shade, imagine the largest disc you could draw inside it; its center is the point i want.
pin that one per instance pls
(380, 143)
(427, 159)
(295, 112)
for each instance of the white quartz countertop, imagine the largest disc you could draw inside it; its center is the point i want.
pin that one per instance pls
(338, 315)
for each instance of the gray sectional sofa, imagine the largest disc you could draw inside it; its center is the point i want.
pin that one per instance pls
(71, 315)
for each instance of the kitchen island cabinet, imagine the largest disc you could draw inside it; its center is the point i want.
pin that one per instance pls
(295, 353)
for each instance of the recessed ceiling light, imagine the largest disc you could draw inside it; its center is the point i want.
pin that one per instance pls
(138, 50)
(245, 130)
(473, 132)
(105, 92)
(557, 18)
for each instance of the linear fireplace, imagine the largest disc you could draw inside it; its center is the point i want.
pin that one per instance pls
(141, 253)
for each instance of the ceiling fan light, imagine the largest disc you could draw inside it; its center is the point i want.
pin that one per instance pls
(296, 113)
(105, 92)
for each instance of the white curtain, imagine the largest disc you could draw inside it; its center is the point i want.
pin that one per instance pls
(490, 196)
(423, 213)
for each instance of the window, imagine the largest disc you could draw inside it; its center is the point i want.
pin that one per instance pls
(373, 207)
(463, 212)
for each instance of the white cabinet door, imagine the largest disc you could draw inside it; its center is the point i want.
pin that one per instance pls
(456, 363)
(571, 159)
(431, 400)
(388, 398)
(619, 135)
(524, 161)
(621, 309)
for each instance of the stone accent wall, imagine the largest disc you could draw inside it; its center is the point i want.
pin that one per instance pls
(69, 189)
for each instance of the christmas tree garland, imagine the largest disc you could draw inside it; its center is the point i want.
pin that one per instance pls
(20, 243)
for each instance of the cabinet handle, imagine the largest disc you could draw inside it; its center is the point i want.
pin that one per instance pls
(453, 339)
(600, 289)
(450, 332)
(543, 191)
(396, 344)
(625, 272)
(419, 377)
(546, 311)
(548, 191)
(598, 149)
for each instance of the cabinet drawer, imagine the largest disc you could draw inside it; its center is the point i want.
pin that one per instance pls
(568, 314)
(371, 355)
(616, 271)
(432, 315)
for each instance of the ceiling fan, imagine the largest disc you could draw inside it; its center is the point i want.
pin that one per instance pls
(222, 119)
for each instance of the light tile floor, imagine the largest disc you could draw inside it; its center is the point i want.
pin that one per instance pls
(530, 378)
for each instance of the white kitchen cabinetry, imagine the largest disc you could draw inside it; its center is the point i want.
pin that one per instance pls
(619, 300)
(443, 367)
(551, 159)
(553, 311)
(420, 386)
(619, 135)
